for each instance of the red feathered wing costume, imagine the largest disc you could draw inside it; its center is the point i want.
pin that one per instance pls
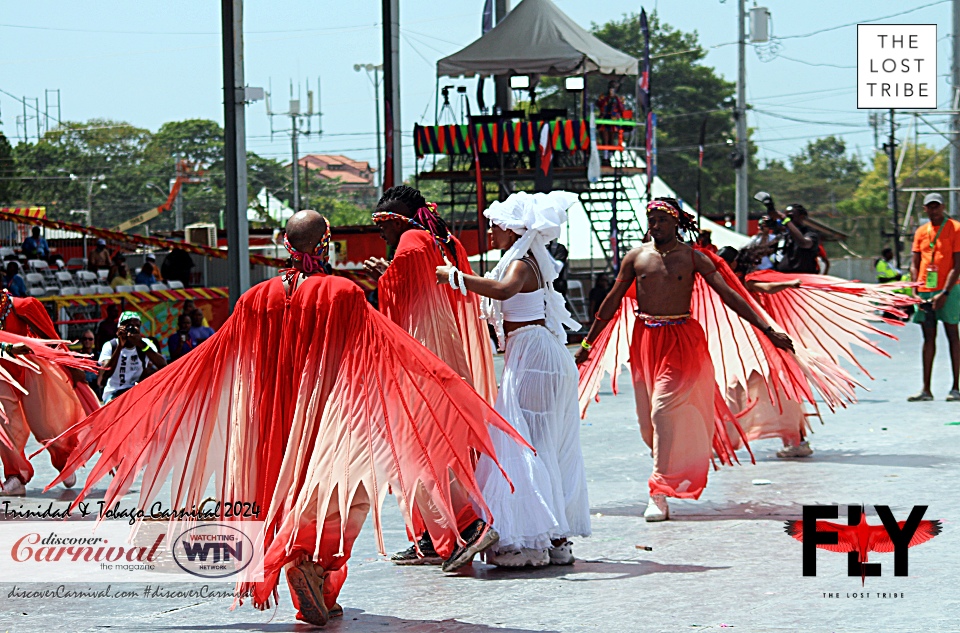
(448, 324)
(39, 395)
(445, 321)
(733, 349)
(828, 317)
(309, 403)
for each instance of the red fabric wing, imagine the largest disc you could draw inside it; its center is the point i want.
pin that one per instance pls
(410, 297)
(287, 403)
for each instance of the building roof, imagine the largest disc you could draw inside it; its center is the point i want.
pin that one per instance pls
(322, 161)
(336, 166)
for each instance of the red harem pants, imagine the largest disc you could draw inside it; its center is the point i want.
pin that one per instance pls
(328, 553)
(674, 383)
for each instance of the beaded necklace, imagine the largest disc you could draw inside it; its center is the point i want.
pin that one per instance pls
(6, 306)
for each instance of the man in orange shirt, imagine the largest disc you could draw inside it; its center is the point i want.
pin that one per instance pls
(936, 265)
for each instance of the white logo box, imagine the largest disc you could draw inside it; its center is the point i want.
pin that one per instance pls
(115, 551)
(897, 66)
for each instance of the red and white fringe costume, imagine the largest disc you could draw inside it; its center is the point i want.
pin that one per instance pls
(37, 393)
(677, 371)
(828, 317)
(448, 324)
(312, 405)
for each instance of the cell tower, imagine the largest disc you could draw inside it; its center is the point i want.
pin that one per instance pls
(300, 124)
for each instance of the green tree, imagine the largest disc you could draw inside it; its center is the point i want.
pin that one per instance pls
(56, 170)
(870, 197)
(8, 171)
(821, 177)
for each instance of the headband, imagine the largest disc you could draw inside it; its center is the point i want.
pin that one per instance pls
(425, 219)
(666, 207)
(311, 262)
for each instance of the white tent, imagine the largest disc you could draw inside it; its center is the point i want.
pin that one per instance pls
(577, 235)
(277, 210)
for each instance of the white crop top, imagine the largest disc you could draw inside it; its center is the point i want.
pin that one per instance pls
(525, 306)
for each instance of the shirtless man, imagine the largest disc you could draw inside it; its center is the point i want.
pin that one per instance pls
(670, 363)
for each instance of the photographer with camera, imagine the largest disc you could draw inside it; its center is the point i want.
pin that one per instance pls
(801, 244)
(128, 358)
(936, 266)
(181, 342)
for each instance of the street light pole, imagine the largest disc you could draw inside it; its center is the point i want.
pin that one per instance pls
(376, 98)
(88, 212)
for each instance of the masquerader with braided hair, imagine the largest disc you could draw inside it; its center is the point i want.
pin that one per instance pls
(682, 416)
(308, 405)
(446, 321)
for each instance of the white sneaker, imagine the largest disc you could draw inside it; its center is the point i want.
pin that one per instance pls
(13, 487)
(562, 554)
(70, 481)
(522, 557)
(800, 450)
(657, 509)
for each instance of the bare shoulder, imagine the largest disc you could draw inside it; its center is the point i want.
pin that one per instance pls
(702, 262)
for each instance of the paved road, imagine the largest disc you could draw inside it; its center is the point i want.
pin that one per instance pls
(721, 562)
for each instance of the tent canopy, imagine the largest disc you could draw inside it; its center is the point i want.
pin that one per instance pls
(537, 38)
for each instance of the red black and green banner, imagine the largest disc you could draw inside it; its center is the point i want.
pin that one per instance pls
(506, 137)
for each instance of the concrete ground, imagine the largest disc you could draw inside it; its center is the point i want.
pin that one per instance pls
(721, 562)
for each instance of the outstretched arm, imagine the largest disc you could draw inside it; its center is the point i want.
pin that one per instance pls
(511, 284)
(737, 303)
(771, 287)
(610, 304)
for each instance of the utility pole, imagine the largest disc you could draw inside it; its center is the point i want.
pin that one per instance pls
(891, 148)
(296, 156)
(300, 124)
(740, 115)
(502, 82)
(954, 208)
(235, 149)
(393, 167)
(178, 201)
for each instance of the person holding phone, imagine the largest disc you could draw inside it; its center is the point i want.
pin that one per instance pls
(181, 342)
(936, 266)
(128, 358)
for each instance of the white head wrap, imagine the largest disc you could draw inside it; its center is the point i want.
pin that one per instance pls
(537, 219)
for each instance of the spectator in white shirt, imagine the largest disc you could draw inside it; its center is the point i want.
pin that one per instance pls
(128, 358)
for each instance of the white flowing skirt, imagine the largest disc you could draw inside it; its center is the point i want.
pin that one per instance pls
(538, 396)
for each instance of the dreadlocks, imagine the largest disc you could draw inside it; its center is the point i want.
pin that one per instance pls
(409, 197)
(410, 203)
(685, 222)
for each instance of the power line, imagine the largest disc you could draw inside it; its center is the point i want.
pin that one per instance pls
(842, 26)
(789, 118)
(823, 64)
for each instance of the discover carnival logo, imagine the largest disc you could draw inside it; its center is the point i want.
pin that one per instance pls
(113, 551)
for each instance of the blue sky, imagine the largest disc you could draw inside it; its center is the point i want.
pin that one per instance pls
(148, 62)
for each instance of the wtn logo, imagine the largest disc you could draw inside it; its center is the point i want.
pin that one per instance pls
(213, 550)
(221, 551)
(858, 538)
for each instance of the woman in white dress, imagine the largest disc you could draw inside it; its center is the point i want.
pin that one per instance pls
(538, 389)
